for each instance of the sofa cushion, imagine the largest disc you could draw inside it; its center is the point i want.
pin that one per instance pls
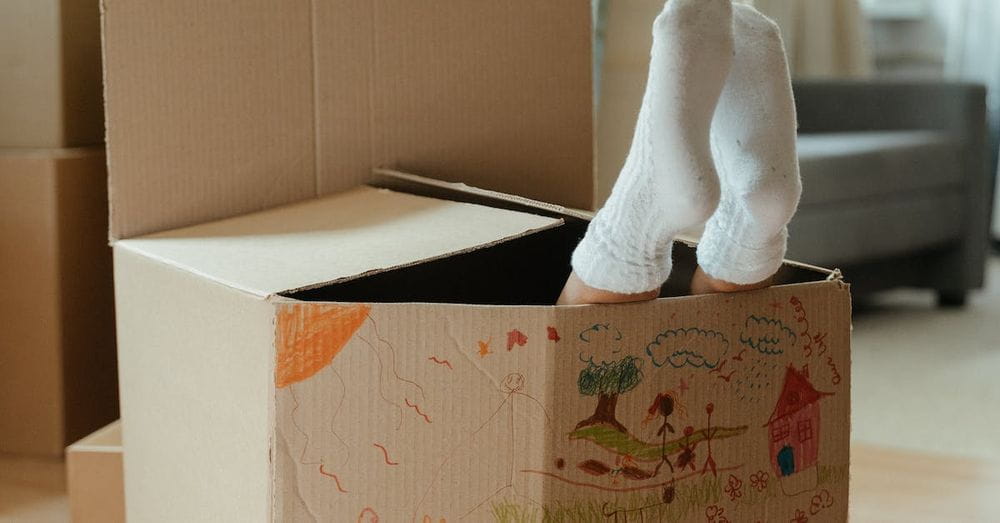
(871, 164)
(855, 232)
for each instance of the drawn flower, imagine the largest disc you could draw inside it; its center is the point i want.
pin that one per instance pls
(800, 517)
(759, 480)
(820, 501)
(734, 488)
(715, 513)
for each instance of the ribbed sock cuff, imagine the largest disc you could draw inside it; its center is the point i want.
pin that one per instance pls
(601, 264)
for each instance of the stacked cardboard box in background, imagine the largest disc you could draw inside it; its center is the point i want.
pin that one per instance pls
(57, 357)
(50, 74)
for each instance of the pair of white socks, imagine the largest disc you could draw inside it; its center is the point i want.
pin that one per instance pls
(714, 144)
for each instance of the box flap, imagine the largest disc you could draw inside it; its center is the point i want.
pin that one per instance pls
(220, 108)
(333, 238)
(458, 191)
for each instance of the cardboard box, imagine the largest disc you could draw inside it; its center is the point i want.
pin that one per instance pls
(94, 477)
(380, 355)
(57, 354)
(50, 73)
(389, 351)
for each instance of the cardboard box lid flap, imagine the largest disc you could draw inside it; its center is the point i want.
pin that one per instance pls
(216, 109)
(332, 238)
(423, 186)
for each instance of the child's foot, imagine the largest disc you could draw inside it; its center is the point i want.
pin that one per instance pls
(702, 283)
(577, 293)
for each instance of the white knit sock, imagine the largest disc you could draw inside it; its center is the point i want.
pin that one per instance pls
(753, 139)
(668, 182)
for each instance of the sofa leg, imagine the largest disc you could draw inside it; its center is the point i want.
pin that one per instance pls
(951, 298)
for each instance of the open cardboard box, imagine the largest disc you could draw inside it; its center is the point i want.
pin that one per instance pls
(377, 354)
(302, 338)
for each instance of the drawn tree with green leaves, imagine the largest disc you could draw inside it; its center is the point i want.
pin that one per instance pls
(607, 380)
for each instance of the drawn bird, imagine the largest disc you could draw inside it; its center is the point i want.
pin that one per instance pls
(484, 348)
(728, 377)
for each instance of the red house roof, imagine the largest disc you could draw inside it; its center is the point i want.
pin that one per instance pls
(796, 394)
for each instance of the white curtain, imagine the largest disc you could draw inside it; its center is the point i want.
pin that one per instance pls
(973, 54)
(823, 38)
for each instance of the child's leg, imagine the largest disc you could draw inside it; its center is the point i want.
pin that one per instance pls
(753, 138)
(668, 182)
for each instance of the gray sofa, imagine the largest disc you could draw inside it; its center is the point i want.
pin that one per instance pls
(896, 189)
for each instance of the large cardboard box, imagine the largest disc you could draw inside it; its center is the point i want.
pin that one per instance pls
(304, 338)
(57, 355)
(50, 73)
(95, 478)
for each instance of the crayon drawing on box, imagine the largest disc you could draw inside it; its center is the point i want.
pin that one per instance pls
(621, 420)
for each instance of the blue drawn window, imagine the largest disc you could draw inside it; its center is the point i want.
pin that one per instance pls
(805, 430)
(779, 431)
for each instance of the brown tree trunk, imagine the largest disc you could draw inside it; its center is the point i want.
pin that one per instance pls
(604, 413)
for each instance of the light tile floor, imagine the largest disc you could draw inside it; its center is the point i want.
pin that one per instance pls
(926, 378)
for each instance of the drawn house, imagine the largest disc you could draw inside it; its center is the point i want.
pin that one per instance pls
(793, 428)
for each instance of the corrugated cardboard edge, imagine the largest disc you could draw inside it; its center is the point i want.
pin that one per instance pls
(423, 186)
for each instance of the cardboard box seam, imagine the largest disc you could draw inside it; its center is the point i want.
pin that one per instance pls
(471, 190)
(127, 246)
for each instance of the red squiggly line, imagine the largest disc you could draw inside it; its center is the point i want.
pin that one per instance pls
(446, 363)
(385, 454)
(335, 479)
(416, 408)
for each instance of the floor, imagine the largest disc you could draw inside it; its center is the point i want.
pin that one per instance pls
(926, 378)
(32, 490)
(926, 427)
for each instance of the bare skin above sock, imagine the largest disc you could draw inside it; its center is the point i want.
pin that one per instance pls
(668, 182)
(753, 141)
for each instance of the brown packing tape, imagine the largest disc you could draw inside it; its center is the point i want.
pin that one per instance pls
(218, 109)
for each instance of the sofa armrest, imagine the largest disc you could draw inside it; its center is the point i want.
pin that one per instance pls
(958, 109)
(851, 105)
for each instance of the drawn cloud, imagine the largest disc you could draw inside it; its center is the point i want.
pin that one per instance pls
(600, 331)
(691, 347)
(767, 336)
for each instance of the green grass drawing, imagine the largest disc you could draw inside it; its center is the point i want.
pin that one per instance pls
(690, 500)
(689, 503)
(625, 444)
